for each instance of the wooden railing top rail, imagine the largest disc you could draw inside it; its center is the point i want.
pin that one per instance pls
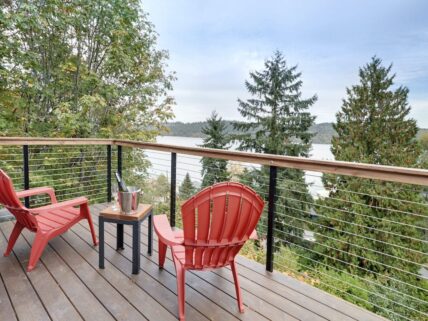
(54, 141)
(380, 172)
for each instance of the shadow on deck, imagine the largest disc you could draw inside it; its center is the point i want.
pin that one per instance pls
(67, 285)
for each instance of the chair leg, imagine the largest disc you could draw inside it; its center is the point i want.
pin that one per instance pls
(162, 253)
(17, 229)
(87, 214)
(181, 285)
(37, 248)
(237, 287)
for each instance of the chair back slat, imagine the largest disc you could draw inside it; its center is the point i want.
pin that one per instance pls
(11, 202)
(217, 221)
(218, 218)
(233, 213)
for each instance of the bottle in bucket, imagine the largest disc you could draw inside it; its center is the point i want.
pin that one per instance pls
(121, 183)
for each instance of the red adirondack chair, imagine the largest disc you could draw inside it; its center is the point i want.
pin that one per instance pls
(216, 223)
(47, 221)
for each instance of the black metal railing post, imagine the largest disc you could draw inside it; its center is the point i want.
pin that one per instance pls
(119, 160)
(173, 188)
(271, 218)
(109, 173)
(119, 227)
(26, 160)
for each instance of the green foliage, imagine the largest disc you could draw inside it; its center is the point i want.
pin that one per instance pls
(186, 189)
(277, 113)
(372, 295)
(369, 228)
(345, 286)
(214, 170)
(372, 126)
(81, 69)
(278, 122)
(156, 192)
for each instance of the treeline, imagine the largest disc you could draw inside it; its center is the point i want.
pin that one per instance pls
(324, 132)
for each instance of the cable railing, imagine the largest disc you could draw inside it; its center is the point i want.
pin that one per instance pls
(358, 231)
(391, 294)
(72, 170)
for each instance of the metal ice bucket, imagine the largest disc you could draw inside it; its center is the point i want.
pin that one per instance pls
(129, 201)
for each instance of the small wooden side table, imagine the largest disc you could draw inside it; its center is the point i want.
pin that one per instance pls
(135, 219)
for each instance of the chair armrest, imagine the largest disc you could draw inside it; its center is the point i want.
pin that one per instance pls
(254, 235)
(71, 203)
(38, 191)
(164, 231)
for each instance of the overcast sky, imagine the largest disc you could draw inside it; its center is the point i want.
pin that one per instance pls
(213, 46)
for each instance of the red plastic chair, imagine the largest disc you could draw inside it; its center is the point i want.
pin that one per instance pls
(216, 223)
(47, 221)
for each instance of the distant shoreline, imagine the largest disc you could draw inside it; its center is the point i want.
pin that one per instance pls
(190, 137)
(324, 132)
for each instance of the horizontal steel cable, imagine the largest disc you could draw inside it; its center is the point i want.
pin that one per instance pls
(350, 244)
(363, 289)
(364, 269)
(349, 253)
(359, 225)
(347, 293)
(354, 213)
(346, 232)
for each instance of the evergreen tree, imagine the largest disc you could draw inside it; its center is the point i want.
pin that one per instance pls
(366, 227)
(214, 170)
(278, 122)
(187, 189)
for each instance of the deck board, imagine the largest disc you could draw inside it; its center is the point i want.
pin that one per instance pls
(49, 291)
(23, 297)
(6, 309)
(67, 285)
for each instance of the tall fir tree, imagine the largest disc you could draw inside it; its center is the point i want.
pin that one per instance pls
(214, 170)
(373, 229)
(278, 122)
(186, 189)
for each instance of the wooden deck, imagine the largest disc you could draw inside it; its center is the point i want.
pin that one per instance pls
(67, 285)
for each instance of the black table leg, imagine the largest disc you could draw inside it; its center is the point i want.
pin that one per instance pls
(119, 237)
(136, 233)
(150, 233)
(101, 242)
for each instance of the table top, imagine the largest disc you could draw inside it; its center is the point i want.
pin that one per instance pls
(142, 211)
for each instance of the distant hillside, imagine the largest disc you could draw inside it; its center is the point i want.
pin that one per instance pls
(323, 132)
